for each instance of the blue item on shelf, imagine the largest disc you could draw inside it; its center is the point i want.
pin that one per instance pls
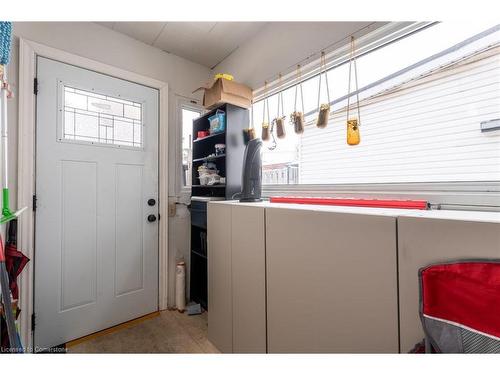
(217, 122)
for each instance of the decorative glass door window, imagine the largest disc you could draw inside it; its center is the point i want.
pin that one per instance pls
(102, 119)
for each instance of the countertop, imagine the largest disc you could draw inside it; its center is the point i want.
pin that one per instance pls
(480, 216)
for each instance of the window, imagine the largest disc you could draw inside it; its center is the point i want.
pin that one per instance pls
(95, 118)
(188, 114)
(422, 103)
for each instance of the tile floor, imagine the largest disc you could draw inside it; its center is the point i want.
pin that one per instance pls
(171, 332)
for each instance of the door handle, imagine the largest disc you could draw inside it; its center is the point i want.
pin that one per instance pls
(151, 218)
(151, 202)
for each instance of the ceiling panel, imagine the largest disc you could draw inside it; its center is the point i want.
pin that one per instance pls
(206, 43)
(109, 25)
(146, 32)
(183, 39)
(230, 35)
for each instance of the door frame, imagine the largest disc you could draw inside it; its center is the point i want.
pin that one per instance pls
(28, 53)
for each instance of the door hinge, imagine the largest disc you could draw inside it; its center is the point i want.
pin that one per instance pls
(33, 321)
(35, 86)
(34, 202)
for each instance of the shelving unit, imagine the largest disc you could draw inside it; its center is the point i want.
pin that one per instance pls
(208, 158)
(229, 166)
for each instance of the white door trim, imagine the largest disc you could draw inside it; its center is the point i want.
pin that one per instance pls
(28, 52)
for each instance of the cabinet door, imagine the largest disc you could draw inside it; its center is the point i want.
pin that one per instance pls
(331, 282)
(249, 280)
(219, 277)
(426, 241)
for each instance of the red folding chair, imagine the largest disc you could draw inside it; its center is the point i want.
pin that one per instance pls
(460, 306)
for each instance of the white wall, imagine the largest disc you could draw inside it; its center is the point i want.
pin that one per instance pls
(279, 46)
(99, 43)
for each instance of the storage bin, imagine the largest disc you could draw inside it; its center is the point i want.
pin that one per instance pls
(199, 215)
(217, 122)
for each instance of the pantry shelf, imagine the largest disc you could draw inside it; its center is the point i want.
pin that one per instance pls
(208, 158)
(211, 136)
(228, 165)
(210, 186)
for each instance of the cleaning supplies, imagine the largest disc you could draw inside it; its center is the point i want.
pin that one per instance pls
(353, 136)
(297, 117)
(6, 93)
(323, 109)
(7, 214)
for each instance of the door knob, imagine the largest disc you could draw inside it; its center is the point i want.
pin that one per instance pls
(151, 218)
(151, 202)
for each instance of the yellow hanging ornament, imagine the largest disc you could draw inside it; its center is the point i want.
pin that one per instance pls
(353, 136)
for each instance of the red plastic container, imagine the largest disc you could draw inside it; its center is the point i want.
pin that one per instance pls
(202, 134)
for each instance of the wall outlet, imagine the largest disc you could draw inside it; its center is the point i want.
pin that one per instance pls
(171, 209)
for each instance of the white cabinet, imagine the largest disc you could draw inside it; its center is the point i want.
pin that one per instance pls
(236, 278)
(289, 279)
(249, 280)
(331, 282)
(220, 305)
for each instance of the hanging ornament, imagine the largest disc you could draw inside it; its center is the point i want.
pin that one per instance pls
(265, 110)
(297, 117)
(353, 122)
(323, 109)
(249, 133)
(279, 121)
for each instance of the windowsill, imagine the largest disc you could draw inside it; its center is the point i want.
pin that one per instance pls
(480, 196)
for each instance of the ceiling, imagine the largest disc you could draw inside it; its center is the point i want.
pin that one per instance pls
(207, 43)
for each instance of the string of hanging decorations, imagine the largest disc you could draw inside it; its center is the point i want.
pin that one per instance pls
(279, 121)
(249, 133)
(297, 122)
(324, 108)
(267, 128)
(297, 118)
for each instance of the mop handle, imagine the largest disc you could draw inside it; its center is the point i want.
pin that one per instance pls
(4, 92)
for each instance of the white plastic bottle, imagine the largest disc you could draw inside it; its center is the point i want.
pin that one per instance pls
(180, 286)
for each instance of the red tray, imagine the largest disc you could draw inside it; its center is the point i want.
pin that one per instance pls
(380, 203)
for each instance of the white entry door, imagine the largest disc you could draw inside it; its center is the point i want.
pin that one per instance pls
(96, 237)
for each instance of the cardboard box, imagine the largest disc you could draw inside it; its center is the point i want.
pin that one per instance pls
(225, 91)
